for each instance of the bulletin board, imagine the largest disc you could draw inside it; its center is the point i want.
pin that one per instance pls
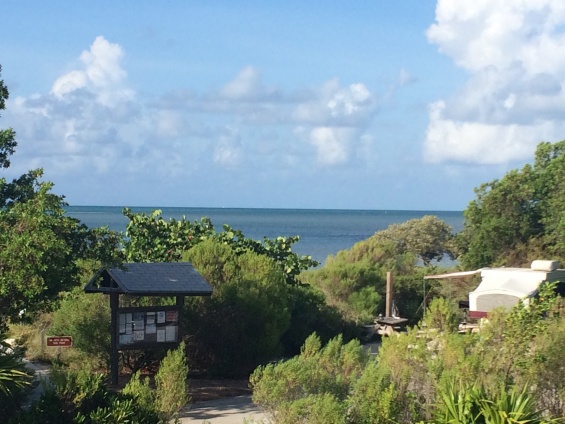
(142, 327)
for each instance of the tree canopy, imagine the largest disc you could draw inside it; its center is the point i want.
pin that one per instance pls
(152, 238)
(355, 279)
(519, 217)
(39, 244)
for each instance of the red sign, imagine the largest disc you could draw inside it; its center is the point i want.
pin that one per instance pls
(60, 341)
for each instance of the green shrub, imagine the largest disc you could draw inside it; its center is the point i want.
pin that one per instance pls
(86, 318)
(141, 391)
(466, 404)
(309, 313)
(323, 372)
(14, 378)
(440, 316)
(314, 409)
(240, 326)
(80, 397)
(374, 398)
(171, 382)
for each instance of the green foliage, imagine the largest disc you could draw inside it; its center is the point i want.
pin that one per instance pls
(311, 314)
(343, 282)
(149, 238)
(38, 253)
(140, 390)
(315, 409)
(119, 411)
(86, 318)
(153, 239)
(78, 391)
(278, 249)
(471, 404)
(81, 397)
(171, 382)
(429, 238)
(241, 324)
(319, 376)
(545, 368)
(460, 405)
(374, 398)
(354, 281)
(8, 136)
(511, 406)
(13, 378)
(519, 217)
(441, 316)
(364, 304)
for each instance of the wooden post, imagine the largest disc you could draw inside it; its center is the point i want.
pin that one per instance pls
(42, 336)
(180, 304)
(388, 307)
(114, 304)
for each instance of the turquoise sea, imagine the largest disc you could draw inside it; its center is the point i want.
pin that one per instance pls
(322, 232)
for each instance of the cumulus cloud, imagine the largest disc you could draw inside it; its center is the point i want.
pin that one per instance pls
(247, 85)
(93, 126)
(102, 74)
(334, 105)
(514, 98)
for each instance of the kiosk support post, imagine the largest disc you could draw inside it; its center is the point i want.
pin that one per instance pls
(114, 303)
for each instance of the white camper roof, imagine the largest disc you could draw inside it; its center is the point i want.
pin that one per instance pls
(506, 286)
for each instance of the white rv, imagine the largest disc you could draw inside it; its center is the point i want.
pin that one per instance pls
(505, 287)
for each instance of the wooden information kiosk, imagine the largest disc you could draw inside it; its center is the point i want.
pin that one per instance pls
(143, 327)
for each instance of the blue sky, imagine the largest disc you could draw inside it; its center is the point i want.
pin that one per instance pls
(334, 104)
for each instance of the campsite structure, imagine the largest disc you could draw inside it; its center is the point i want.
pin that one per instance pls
(142, 327)
(505, 287)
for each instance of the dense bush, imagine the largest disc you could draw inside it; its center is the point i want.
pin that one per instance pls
(511, 371)
(241, 324)
(311, 314)
(86, 318)
(171, 384)
(299, 389)
(81, 397)
(354, 280)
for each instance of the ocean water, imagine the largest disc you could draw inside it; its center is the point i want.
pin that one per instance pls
(322, 232)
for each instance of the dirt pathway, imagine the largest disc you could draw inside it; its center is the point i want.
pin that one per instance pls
(232, 410)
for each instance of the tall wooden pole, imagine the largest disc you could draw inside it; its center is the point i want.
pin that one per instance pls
(388, 307)
(114, 304)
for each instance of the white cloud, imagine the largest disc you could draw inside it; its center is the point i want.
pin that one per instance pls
(476, 142)
(334, 105)
(514, 98)
(404, 78)
(228, 150)
(102, 74)
(332, 144)
(92, 126)
(482, 33)
(247, 85)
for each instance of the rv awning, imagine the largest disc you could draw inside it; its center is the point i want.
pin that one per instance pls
(460, 274)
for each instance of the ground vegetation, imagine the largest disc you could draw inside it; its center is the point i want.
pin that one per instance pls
(82, 397)
(505, 373)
